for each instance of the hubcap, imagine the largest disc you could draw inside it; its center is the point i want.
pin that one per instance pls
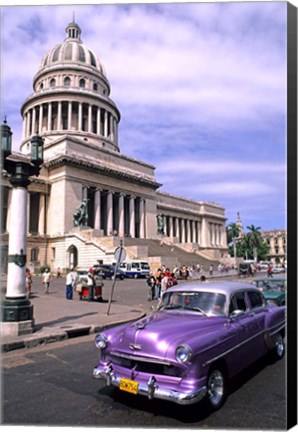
(215, 387)
(280, 346)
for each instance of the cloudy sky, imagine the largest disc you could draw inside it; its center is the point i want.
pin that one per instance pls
(201, 88)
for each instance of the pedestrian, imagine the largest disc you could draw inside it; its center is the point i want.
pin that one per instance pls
(58, 273)
(28, 281)
(46, 280)
(157, 283)
(151, 282)
(164, 283)
(211, 269)
(69, 287)
(91, 284)
(184, 273)
(269, 271)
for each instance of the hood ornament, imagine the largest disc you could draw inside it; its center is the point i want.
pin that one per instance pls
(134, 347)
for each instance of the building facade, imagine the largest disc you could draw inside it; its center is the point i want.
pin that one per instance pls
(277, 245)
(84, 169)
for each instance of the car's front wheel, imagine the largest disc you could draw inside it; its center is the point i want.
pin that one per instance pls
(216, 388)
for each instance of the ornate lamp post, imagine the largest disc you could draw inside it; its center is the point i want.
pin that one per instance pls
(17, 311)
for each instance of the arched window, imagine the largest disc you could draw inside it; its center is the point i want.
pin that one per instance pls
(56, 54)
(93, 60)
(68, 52)
(82, 83)
(67, 82)
(95, 87)
(53, 82)
(82, 56)
(41, 86)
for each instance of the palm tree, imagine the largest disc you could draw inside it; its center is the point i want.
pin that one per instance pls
(254, 239)
(233, 232)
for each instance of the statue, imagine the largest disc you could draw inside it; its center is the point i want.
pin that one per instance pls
(80, 217)
(160, 224)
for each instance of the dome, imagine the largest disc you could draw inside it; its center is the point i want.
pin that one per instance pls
(72, 50)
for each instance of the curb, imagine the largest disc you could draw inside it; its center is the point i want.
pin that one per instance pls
(56, 334)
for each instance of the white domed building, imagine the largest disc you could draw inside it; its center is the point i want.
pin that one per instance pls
(72, 110)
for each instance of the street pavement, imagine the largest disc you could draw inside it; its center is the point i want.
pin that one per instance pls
(57, 319)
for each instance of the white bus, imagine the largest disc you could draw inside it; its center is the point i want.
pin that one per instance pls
(135, 269)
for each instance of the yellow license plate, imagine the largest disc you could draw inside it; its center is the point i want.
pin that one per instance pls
(129, 386)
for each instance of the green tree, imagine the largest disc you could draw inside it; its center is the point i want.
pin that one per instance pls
(254, 239)
(233, 232)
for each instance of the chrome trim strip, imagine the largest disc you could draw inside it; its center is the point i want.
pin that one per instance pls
(244, 342)
(140, 358)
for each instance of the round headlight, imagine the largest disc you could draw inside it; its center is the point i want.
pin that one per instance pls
(183, 353)
(100, 341)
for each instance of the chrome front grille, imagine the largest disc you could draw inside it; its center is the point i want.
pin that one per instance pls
(143, 364)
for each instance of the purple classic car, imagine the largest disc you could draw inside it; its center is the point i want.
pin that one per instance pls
(201, 335)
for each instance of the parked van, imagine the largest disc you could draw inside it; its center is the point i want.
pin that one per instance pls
(135, 269)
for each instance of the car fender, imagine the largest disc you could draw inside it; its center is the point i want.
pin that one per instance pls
(274, 324)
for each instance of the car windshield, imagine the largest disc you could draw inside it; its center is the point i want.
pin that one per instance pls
(203, 302)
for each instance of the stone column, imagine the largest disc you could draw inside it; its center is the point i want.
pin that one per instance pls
(40, 119)
(50, 116)
(132, 216)
(111, 128)
(69, 122)
(109, 213)
(33, 129)
(17, 242)
(59, 115)
(183, 230)
(90, 118)
(121, 215)
(142, 218)
(204, 232)
(171, 223)
(105, 132)
(28, 125)
(97, 209)
(80, 115)
(41, 215)
(98, 121)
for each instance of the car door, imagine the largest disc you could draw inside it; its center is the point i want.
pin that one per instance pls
(246, 326)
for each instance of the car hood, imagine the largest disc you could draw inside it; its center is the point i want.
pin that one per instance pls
(273, 294)
(159, 334)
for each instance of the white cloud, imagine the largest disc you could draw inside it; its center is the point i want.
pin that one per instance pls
(201, 87)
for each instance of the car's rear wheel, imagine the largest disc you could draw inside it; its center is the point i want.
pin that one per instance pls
(216, 388)
(279, 349)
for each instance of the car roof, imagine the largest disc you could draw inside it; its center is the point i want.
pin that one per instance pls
(278, 278)
(226, 288)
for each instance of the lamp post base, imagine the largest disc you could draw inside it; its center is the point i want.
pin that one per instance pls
(16, 317)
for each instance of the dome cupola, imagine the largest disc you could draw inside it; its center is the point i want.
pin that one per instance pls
(71, 96)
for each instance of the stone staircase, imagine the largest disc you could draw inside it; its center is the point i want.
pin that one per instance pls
(157, 253)
(163, 253)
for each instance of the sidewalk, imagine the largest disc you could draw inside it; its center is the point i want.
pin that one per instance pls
(57, 319)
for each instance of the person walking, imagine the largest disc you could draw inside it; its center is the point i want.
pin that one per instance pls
(151, 282)
(71, 283)
(46, 280)
(91, 284)
(211, 270)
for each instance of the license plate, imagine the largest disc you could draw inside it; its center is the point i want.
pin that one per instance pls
(129, 386)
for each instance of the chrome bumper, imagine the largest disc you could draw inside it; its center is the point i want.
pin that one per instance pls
(152, 389)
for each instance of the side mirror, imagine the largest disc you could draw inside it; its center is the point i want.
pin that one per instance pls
(236, 313)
